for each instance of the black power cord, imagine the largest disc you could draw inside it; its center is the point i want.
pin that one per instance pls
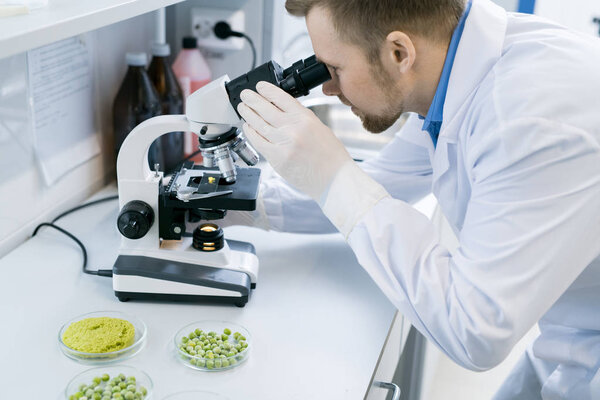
(100, 272)
(223, 31)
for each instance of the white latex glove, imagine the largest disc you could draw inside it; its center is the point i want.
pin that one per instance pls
(292, 139)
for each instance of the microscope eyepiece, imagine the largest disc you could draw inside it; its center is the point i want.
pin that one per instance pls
(297, 80)
(304, 75)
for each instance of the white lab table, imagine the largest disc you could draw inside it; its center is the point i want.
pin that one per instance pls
(318, 322)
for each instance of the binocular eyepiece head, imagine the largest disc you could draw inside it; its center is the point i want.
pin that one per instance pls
(297, 80)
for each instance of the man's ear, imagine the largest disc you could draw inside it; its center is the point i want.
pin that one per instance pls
(398, 52)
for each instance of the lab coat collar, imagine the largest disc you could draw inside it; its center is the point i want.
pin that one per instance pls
(478, 51)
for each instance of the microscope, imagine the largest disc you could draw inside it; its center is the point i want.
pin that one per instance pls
(171, 248)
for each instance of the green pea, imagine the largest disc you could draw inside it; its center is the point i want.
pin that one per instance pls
(218, 363)
(224, 336)
(129, 396)
(225, 363)
(121, 377)
(192, 335)
(143, 390)
(227, 331)
(122, 385)
(217, 350)
(201, 363)
(198, 332)
(184, 339)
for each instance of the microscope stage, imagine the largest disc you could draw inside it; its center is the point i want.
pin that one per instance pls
(194, 182)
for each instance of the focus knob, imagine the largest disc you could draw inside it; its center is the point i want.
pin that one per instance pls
(135, 219)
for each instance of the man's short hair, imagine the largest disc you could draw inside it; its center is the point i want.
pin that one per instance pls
(367, 23)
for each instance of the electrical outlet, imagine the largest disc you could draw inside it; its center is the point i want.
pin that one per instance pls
(204, 20)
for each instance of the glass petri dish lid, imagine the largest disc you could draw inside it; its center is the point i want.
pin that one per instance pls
(137, 343)
(195, 395)
(230, 357)
(82, 383)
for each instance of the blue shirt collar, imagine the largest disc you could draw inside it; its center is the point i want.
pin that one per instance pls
(435, 115)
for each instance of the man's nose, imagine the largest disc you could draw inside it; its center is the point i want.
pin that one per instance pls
(331, 88)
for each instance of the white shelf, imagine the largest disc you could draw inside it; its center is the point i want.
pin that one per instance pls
(65, 18)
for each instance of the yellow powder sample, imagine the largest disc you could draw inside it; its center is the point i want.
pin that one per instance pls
(99, 335)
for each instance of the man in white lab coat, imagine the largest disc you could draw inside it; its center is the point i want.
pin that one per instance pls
(505, 133)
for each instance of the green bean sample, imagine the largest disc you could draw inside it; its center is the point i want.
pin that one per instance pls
(213, 351)
(105, 388)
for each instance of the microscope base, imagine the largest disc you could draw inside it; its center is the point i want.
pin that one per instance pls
(186, 298)
(147, 278)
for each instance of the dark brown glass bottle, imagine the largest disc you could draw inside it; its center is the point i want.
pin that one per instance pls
(136, 101)
(171, 98)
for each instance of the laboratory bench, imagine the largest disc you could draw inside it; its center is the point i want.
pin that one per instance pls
(321, 329)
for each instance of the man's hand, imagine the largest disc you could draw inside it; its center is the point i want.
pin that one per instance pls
(296, 143)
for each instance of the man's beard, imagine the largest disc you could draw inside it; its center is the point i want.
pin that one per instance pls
(379, 123)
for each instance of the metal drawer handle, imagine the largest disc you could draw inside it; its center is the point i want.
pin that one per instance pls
(390, 386)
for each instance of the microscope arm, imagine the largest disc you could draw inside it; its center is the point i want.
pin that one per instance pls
(132, 162)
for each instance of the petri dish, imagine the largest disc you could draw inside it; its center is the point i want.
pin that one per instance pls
(142, 380)
(139, 340)
(195, 395)
(219, 363)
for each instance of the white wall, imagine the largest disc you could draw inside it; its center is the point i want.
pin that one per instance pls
(25, 200)
(576, 14)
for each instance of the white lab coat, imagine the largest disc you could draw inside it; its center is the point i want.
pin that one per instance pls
(516, 172)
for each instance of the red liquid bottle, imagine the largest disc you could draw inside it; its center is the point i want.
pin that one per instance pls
(192, 72)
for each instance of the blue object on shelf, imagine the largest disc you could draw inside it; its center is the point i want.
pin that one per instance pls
(526, 6)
